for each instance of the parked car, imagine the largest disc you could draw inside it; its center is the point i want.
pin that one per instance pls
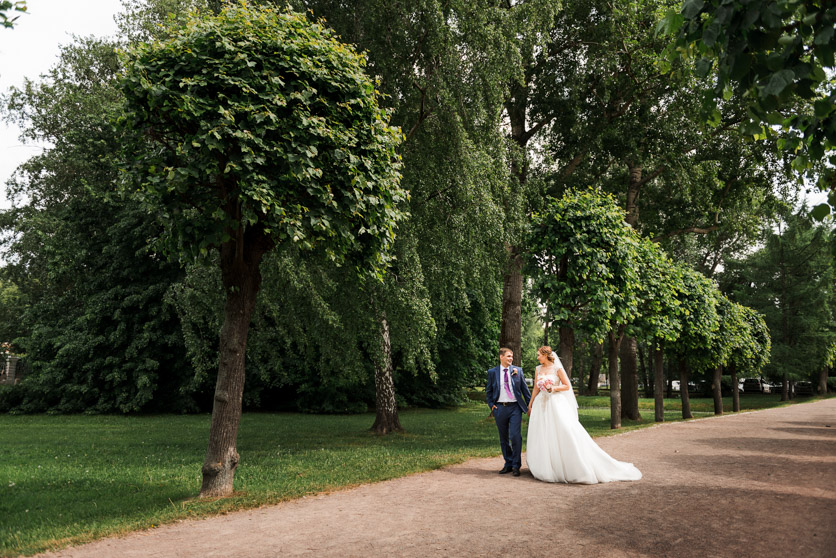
(753, 385)
(804, 388)
(706, 388)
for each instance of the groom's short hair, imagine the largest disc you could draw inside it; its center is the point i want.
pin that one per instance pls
(503, 350)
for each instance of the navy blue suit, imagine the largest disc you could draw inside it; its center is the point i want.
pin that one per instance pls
(509, 418)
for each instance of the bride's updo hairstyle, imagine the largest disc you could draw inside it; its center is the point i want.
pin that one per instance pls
(547, 352)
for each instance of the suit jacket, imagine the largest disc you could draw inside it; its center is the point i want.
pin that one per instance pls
(518, 386)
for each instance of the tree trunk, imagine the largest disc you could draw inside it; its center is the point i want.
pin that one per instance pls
(566, 352)
(648, 385)
(629, 380)
(386, 406)
(240, 260)
(822, 387)
(785, 394)
(735, 388)
(510, 334)
(658, 382)
(717, 390)
(683, 389)
(595, 369)
(581, 361)
(633, 190)
(615, 383)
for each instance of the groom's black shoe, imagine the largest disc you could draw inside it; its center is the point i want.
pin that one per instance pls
(516, 472)
(505, 469)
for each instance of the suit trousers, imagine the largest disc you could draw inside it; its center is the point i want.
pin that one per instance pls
(509, 423)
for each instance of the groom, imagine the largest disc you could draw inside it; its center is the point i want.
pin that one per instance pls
(505, 390)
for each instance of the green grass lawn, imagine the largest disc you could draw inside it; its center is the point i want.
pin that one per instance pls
(70, 479)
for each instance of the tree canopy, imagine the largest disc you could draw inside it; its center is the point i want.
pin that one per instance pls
(253, 128)
(773, 53)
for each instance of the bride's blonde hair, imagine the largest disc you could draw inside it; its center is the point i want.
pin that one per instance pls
(547, 351)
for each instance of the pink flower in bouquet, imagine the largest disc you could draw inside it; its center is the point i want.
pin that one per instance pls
(545, 384)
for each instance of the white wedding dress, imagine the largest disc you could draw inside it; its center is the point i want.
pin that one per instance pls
(559, 449)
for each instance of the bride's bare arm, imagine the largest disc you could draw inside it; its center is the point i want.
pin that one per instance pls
(564, 381)
(536, 389)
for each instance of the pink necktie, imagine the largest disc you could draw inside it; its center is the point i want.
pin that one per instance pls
(507, 385)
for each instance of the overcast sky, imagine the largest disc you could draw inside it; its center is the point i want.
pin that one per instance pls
(31, 48)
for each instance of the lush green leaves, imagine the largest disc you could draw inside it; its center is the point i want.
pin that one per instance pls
(584, 260)
(258, 118)
(790, 280)
(96, 332)
(774, 53)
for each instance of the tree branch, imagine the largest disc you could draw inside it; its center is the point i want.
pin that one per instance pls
(694, 230)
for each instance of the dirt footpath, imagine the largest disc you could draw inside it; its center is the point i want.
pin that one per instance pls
(755, 484)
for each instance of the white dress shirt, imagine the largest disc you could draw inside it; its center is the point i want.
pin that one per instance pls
(503, 395)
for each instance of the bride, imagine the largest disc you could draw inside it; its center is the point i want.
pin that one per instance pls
(559, 449)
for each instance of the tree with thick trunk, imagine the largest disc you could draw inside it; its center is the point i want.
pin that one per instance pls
(717, 390)
(243, 131)
(629, 380)
(584, 260)
(510, 331)
(240, 260)
(821, 388)
(386, 412)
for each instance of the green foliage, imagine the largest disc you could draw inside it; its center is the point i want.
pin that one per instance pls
(584, 261)
(700, 321)
(256, 118)
(753, 353)
(774, 53)
(13, 303)
(5, 6)
(660, 313)
(97, 335)
(790, 282)
(742, 340)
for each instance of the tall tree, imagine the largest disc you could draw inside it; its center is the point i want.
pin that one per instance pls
(750, 353)
(584, 261)
(790, 281)
(442, 66)
(699, 325)
(96, 330)
(241, 149)
(773, 54)
(660, 313)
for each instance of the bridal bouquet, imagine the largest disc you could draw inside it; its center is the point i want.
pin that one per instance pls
(545, 384)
